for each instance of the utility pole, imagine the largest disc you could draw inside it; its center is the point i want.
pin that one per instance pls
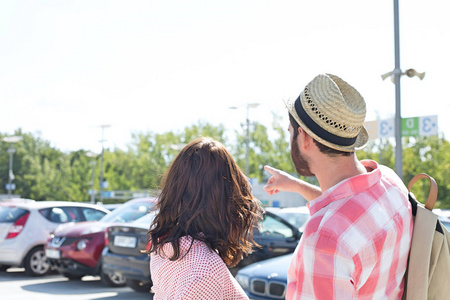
(247, 135)
(11, 140)
(398, 112)
(395, 76)
(100, 198)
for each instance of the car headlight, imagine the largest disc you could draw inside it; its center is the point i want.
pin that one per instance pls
(81, 245)
(243, 280)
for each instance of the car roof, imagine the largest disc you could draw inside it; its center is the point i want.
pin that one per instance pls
(16, 200)
(296, 209)
(142, 199)
(46, 204)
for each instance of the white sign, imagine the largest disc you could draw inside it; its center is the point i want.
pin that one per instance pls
(415, 126)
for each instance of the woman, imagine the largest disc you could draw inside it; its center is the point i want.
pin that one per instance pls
(206, 213)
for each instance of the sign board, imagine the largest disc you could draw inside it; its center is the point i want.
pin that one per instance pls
(415, 126)
(108, 194)
(10, 186)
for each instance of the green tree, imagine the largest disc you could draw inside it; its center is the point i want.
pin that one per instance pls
(429, 155)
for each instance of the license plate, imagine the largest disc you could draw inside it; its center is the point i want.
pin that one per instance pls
(51, 253)
(125, 241)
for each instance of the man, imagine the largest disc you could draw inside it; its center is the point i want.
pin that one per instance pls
(356, 244)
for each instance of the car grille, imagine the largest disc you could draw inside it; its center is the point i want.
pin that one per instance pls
(273, 289)
(59, 241)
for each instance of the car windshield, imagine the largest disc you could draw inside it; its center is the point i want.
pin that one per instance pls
(127, 212)
(294, 218)
(10, 214)
(446, 224)
(145, 220)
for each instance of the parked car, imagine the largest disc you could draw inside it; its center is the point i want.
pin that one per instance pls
(25, 228)
(265, 279)
(123, 254)
(74, 251)
(444, 217)
(16, 200)
(111, 206)
(297, 216)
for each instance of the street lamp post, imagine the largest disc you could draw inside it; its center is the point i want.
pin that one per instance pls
(100, 198)
(395, 77)
(247, 137)
(92, 163)
(11, 140)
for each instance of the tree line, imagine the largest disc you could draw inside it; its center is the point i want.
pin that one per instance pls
(43, 172)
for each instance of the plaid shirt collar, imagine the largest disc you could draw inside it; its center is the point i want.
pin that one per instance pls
(347, 187)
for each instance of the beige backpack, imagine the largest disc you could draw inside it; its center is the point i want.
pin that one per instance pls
(428, 272)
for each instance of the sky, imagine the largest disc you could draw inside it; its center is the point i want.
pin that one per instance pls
(69, 67)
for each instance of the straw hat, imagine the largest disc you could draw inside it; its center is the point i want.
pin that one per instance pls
(332, 112)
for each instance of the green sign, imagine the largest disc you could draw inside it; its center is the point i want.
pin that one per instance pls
(410, 126)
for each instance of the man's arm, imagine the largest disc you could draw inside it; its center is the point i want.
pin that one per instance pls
(282, 181)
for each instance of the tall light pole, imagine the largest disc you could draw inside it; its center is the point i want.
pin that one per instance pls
(395, 76)
(11, 140)
(247, 137)
(92, 155)
(101, 161)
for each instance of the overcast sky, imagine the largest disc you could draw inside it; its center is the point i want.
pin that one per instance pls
(67, 67)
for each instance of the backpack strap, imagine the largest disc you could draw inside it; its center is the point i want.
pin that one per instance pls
(432, 196)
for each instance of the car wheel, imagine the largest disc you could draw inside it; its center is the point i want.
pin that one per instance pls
(139, 286)
(72, 276)
(36, 263)
(113, 280)
(3, 268)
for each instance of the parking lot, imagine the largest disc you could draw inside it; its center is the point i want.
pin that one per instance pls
(15, 284)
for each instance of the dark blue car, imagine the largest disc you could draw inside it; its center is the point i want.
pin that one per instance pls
(265, 279)
(123, 254)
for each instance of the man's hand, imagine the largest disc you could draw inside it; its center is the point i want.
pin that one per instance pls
(282, 181)
(279, 181)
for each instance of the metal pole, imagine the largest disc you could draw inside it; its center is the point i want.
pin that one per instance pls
(10, 174)
(397, 75)
(100, 198)
(101, 172)
(92, 182)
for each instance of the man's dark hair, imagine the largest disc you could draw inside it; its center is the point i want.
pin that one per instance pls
(324, 149)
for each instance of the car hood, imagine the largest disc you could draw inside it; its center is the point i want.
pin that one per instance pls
(82, 228)
(270, 268)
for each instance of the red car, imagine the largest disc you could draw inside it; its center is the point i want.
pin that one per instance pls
(75, 250)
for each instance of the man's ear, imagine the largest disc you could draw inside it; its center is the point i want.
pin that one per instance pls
(304, 138)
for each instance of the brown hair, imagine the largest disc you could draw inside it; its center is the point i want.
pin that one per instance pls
(205, 195)
(324, 149)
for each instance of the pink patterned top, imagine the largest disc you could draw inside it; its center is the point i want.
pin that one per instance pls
(201, 274)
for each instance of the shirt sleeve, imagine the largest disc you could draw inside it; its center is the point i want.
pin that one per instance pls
(325, 269)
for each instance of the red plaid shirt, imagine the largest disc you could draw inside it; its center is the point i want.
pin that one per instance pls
(356, 244)
(200, 274)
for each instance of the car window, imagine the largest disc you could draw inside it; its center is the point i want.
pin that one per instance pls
(145, 220)
(11, 214)
(446, 224)
(57, 215)
(127, 212)
(91, 214)
(296, 219)
(274, 228)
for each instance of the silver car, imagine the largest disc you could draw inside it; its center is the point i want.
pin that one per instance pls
(26, 227)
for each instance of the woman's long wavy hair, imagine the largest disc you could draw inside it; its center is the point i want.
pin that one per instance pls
(205, 195)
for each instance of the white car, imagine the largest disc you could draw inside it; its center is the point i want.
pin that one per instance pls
(444, 217)
(25, 228)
